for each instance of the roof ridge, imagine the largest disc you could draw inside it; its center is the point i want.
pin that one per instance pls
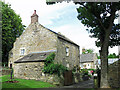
(65, 38)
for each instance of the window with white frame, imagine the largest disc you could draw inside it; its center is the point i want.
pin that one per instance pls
(67, 51)
(22, 52)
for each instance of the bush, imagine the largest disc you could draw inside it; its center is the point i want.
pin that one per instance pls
(84, 71)
(52, 68)
(89, 75)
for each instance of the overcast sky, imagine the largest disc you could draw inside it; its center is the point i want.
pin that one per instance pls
(60, 17)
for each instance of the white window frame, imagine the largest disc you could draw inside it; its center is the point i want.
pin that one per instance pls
(22, 51)
(67, 51)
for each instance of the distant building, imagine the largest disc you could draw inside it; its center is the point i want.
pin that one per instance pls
(88, 61)
(110, 61)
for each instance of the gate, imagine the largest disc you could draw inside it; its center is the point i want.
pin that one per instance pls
(68, 79)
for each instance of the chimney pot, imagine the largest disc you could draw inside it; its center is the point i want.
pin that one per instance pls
(34, 11)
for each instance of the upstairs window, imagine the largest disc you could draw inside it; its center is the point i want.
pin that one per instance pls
(22, 52)
(67, 51)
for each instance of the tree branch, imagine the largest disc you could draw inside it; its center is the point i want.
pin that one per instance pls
(112, 16)
(97, 15)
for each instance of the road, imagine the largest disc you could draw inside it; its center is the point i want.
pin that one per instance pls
(82, 84)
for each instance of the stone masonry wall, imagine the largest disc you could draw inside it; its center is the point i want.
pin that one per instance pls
(73, 58)
(33, 70)
(114, 75)
(35, 38)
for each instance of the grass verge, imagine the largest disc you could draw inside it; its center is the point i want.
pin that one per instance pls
(23, 83)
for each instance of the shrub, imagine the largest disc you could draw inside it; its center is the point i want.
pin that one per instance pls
(50, 59)
(52, 68)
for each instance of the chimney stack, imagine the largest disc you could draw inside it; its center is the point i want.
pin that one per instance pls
(34, 17)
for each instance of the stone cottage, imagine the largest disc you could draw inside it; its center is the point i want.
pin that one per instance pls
(28, 54)
(88, 61)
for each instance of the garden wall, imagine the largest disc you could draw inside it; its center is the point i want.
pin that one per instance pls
(114, 75)
(33, 70)
(5, 71)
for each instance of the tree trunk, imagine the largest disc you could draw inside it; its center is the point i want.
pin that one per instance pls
(104, 62)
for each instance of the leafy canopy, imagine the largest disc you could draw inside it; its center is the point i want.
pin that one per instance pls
(12, 28)
(86, 51)
(97, 17)
(110, 56)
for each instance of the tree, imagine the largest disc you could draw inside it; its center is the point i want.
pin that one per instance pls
(100, 17)
(11, 29)
(110, 56)
(113, 55)
(88, 51)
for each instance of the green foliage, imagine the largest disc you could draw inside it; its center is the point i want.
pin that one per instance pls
(99, 17)
(88, 51)
(84, 71)
(89, 75)
(111, 56)
(50, 59)
(74, 69)
(52, 68)
(11, 29)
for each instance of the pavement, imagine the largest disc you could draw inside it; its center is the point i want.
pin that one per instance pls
(82, 84)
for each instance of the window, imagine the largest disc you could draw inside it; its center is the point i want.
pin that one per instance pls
(22, 51)
(67, 51)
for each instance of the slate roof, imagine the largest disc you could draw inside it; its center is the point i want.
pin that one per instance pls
(34, 57)
(87, 57)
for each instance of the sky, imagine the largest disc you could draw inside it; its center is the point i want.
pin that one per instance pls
(60, 17)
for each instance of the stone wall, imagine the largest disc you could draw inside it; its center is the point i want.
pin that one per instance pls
(114, 75)
(33, 70)
(5, 72)
(35, 38)
(72, 59)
